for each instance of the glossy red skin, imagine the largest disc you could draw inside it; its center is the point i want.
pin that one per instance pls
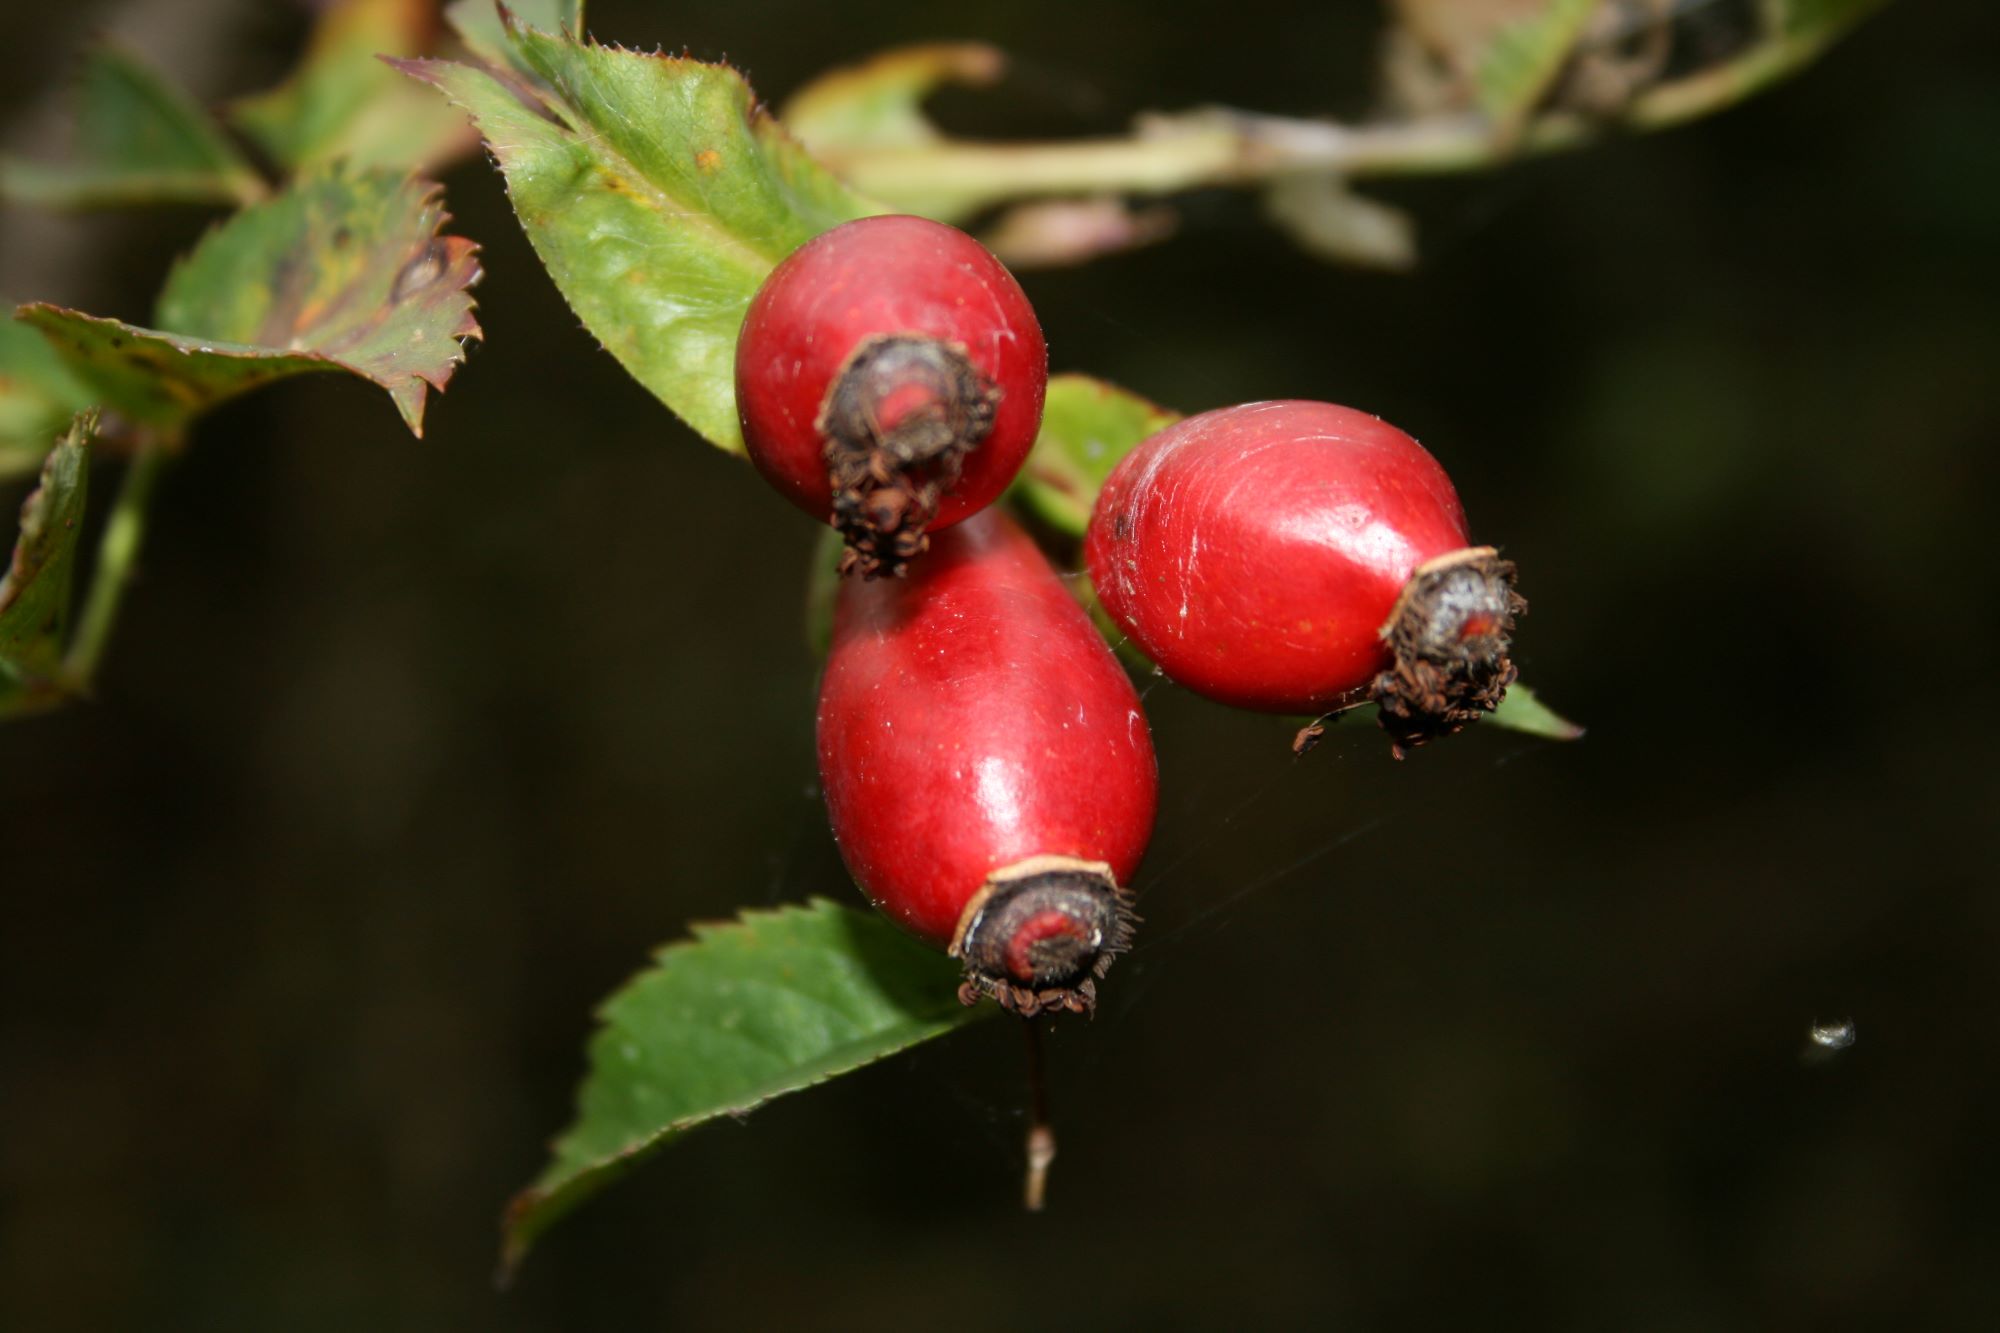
(885, 275)
(1254, 552)
(971, 717)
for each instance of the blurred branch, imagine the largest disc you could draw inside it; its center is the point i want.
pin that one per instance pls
(1220, 146)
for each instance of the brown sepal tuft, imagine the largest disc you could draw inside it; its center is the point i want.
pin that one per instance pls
(1018, 894)
(1450, 633)
(897, 424)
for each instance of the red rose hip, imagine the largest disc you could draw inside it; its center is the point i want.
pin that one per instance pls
(889, 380)
(987, 766)
(1301, 557)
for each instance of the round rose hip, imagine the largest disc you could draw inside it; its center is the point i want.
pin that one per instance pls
(889, 379)
(1300, 557)
(987, 767)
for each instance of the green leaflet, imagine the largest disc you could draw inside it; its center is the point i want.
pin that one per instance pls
(743, 1012)
(35, 590)
(479, 25)
(1087, 427)
(38, 396)
(1520, 60)
(1522, 710)
(139, 140)
(1819, 19)
(658, 195)
(879, 103)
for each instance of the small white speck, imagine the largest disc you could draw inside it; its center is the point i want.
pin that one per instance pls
(1825, 1041)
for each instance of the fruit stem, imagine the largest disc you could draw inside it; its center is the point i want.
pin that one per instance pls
(1312, 732)
(117, 557)
(1041, 1134)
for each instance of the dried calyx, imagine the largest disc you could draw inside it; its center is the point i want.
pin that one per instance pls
(1450, 634)
(897, 424)
(1041, 932)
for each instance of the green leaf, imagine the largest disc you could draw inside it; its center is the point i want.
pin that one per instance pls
(1087, 427)
(1522, 58)
(1818, 19)
(1523, 711)
(159, 380)
(480, 27)
(344, 104)
(658, 199)
(38, 397)
(139, 140)
(745, 1011)
(345, 271)
(879, 103)
(35, 591)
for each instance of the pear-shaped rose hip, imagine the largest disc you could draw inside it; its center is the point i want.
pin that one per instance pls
(987, 766)
(889, 380)
(1301, 557)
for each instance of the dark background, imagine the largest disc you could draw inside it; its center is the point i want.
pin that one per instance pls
(408, 753)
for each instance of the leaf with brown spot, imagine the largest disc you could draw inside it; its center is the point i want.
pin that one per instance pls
(345, 271)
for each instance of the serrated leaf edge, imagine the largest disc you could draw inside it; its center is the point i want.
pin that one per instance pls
(518, 1233)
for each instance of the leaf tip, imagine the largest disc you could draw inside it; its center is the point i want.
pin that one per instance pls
(417, 67)
(517, 1235)
(409, 396)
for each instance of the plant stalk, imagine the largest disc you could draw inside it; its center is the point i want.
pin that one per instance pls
(1220, 146)
(117, 557)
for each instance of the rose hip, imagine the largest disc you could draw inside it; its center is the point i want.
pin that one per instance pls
(889, 380)
(987, 766)
(1301, 557)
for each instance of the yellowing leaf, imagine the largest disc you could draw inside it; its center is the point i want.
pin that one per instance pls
(345, 271)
